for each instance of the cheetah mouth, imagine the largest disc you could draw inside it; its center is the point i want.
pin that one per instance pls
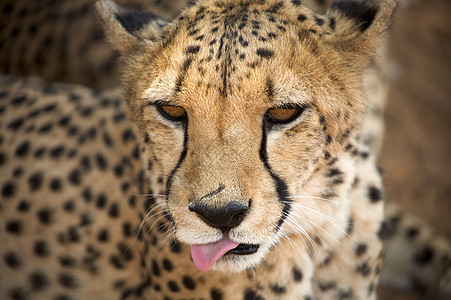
(244, 249)
(206, 255)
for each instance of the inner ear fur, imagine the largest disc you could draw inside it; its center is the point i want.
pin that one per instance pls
(360, 26)
(126, 28)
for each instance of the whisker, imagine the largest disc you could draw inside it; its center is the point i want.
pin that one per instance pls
(318, 198)
(317, 212)
(299, 226)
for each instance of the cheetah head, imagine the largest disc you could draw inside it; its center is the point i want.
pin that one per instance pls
(245, 109)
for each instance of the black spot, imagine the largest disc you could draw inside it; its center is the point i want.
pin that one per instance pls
(364, 269)
(45, 215)
(424, 256)
(127, 229)
(101, 201)
(375, 194)
(23, 206)
(116, 262)
(35, 181)
(101, 161)
(114, 210)
(360, 249)
(173, 286)
(181, 78)
(23, 149)
(8, 189)
(192, 49)
(67, 261)
(49, 108)
(361, 12)
(103, 236)
(334, 172)
(38, 281)
(155, 268)
(18, 100)
(45, 128)
(64, 121)
(188, 282)
(55, 185)
(69, 206)
(2, 157)
(12, 260)
(73, 235)
(41, 248)
(175, 246)
(328, 139)
(18, 293)
(327, 155)
(14, 227)
(67, 280)
(251, 295)
(39, 152)
(332, 23)
(326, 285)
(275, 7)
(297, 274)
(86, 111)
(167, 265)
(18, 172)
(412, 233)
(87, 194)
(318, 21)
(75, 177)
(277, 289)
(118, 170)
(16, 124)
(107, 139)
(344, 294)
(265, 53)
(384, 231)
(216, 294)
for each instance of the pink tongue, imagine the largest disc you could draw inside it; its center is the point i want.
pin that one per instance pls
(205, 255)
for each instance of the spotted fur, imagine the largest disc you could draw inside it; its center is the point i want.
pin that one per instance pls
(88, 211)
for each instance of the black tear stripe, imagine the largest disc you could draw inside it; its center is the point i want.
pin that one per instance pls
(281, 186)
(181, 159)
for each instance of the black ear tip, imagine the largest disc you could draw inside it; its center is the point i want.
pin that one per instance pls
(135, 20)
(362, 12)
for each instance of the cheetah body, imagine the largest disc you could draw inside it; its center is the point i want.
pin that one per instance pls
(105, 195)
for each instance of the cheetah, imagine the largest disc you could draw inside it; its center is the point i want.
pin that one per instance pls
(221, 176)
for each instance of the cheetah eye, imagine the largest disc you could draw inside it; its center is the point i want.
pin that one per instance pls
(172, 112)
(284, 115)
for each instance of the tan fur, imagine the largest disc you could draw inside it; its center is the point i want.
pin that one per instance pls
(328, 247)
(226, 97)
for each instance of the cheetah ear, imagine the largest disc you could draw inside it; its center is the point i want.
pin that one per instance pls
(359, 26)
(126, 28)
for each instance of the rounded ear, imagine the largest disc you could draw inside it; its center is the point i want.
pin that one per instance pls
(127, 28)
(359, 26)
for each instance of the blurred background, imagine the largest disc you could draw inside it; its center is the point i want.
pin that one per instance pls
(61, 41)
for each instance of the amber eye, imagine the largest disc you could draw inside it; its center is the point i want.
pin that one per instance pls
(284, 114)
(172, 112)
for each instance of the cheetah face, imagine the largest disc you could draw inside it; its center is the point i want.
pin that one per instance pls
(243, 107)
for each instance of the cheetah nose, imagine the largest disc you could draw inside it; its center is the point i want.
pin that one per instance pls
(225, 217)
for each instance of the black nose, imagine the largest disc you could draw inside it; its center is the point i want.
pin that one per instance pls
(223, 218)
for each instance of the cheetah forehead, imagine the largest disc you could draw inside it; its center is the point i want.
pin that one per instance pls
(224, 46)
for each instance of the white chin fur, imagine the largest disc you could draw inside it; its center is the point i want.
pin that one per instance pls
(238, 263)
